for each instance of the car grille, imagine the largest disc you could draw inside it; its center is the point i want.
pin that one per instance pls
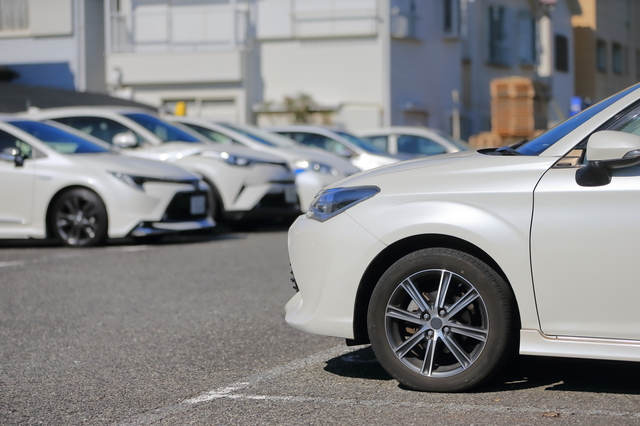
(273, 200)
(179, 208)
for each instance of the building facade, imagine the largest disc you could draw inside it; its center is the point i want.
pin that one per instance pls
(362, 63)
(54, 43)
(607, 53)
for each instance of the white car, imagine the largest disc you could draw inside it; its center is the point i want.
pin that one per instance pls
(57, 184)
(245, 183)
(314, 168)
(447, 264)
(361, 153)
(418, 141)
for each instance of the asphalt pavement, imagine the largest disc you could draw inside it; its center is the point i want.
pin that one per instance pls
(191, 331)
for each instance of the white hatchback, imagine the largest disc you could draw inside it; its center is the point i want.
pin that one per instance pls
(57, 184)
(245, 183)
(418, 141)
(447, 264)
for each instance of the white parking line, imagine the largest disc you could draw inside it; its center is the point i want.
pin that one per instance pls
(9, 263)
(232, 392)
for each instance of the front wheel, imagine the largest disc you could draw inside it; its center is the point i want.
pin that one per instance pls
(79, 218)
(441, 320)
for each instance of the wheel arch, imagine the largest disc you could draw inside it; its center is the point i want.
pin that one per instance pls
(393, 253)
(55, 198)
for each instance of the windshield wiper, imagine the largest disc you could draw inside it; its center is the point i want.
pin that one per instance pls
(509, 149)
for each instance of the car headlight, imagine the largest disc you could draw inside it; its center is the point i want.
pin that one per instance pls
(303, 165)
(234, 160)
(331, 202)
(138, 181)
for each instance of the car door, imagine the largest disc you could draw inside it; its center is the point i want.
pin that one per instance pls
(16, 187)
(584, 250)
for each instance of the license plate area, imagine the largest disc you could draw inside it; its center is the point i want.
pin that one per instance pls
(290, 195)
(198, 205)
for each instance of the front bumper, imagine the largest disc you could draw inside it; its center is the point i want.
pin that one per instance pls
(280, 200)
(328, 261)
(187, 211)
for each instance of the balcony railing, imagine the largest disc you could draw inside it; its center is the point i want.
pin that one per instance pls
(169, 28)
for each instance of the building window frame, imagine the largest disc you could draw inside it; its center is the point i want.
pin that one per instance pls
(601, 55)
(561, 52)
(499, 51)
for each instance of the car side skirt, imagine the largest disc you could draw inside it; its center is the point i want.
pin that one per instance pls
(533, 342)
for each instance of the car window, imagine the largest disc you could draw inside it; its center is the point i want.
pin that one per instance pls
(58, 139)
(212, 134)
(262, 136)
(164, 131)
(412, 144)
(7, 140)
(629, 122)
(379, 141)
(541, 143)
(99, 127)
(361, 143)
(320, 141)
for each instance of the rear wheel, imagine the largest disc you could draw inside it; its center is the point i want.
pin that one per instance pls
(79, 218)
(441, 320)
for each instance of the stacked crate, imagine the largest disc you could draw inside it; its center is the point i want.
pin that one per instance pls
(512, 107)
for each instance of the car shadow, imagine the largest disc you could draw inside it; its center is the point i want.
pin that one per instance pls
(522, 372)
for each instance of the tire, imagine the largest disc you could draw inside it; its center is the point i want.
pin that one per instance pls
(78, 218)
(441, 320)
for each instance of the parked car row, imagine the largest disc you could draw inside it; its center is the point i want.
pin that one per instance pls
(84, 174)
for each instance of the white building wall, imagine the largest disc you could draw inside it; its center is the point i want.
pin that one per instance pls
(342, 73)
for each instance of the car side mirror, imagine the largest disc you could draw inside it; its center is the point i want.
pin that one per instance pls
(608, 150)
(124, 140)
(345, 153)
(14, 155)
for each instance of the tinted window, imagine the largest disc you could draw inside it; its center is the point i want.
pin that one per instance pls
(61, 141)
(545, 140)
(8, 141)
(411, 144)
(164, 131)
(381, 142)
(320, 141)
(361, 143)
(212, 135)
(99, 127)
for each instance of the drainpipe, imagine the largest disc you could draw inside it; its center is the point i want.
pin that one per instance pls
(385, 41)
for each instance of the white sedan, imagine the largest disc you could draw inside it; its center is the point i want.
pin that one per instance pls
(314, 168)
(361, 153)
(245, 183)
(57, 184)
(418, 141)
(448, 264)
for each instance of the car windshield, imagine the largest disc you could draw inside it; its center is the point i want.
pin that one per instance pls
(164, 131)
(271, 139)
(361, 143)
(58, 139)
(545, 140)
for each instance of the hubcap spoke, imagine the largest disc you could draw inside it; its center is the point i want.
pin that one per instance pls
(415, 295)
(463, 302)
(457, 351)
(472, 332)
(445, 279)
(410, 343)
(401, 314)
(429, 357)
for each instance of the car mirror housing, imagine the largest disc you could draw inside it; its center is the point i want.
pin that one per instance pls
(608, 150)
(13, 155)
(124, 140)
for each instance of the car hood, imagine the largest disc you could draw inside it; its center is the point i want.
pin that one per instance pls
(456, 172)
(132, 166)
(171, 151)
